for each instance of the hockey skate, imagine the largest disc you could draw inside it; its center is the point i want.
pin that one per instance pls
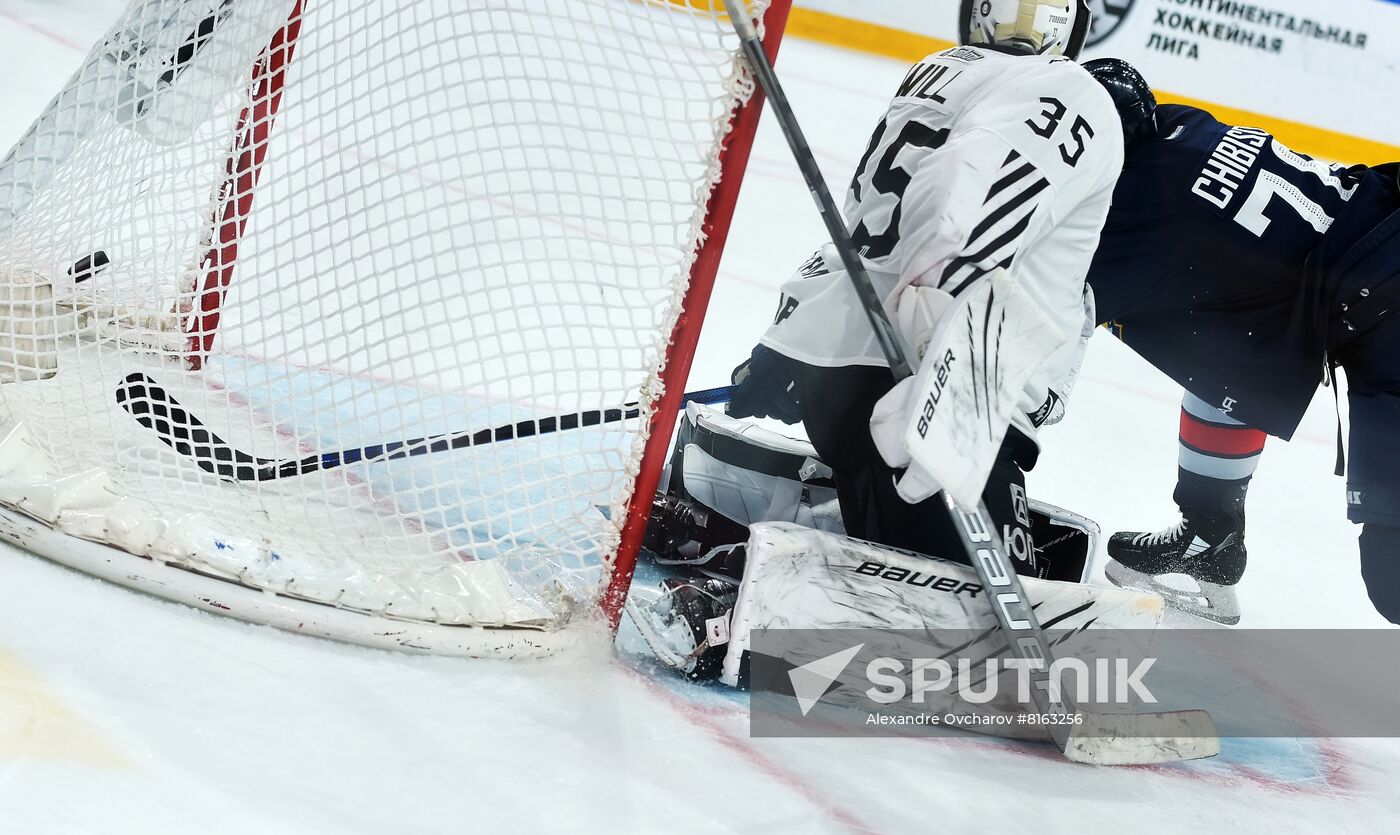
(1213, 560)
(687, 624)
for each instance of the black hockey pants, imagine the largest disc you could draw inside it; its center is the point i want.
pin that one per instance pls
(836, 404)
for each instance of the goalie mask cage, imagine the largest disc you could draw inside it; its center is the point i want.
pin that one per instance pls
(323, 224)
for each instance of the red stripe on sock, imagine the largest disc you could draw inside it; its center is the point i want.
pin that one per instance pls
(1221, 440)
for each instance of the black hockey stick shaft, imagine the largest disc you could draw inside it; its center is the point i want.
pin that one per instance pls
(979, 538)
(154, 408)
(885, 333)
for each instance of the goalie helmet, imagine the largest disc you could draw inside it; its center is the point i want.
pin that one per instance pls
(1137, 106)
(1030, 27)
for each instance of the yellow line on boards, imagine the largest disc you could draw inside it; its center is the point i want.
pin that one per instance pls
(861, 36)
(874, 39)
(1314, 141)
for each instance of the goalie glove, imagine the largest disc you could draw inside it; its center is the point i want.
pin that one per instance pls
(765, 385)
(918, 314)
(887, 422)
(946, 424)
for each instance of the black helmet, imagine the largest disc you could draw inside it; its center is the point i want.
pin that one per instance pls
(1137, 107)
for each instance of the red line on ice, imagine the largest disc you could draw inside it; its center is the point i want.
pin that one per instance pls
(40, 30)
(709, 721)
(1333, 761)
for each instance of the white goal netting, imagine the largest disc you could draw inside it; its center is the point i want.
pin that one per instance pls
(251, 231)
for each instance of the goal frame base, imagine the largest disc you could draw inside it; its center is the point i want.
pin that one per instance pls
(230, 598)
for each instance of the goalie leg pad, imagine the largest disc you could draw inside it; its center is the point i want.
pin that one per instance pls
(727, 474)
(1065, 542)
(745, 472)
(802, 579)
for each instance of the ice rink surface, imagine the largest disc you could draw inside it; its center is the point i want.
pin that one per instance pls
(120, 713)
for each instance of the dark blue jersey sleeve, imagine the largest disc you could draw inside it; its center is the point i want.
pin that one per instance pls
(1203, 266)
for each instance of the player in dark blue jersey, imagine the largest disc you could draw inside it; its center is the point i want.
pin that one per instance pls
(1248, 273)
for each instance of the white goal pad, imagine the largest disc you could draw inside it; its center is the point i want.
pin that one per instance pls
(28, 341)
(802, 579)
(322, 225)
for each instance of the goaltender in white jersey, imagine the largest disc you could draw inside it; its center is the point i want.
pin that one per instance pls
(977, 207)
(984, 160)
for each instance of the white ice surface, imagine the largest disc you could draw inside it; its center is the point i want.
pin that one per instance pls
(120, 713)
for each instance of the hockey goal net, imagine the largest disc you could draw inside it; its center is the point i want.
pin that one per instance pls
(248, 233)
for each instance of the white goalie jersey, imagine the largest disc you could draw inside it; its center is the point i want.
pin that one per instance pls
(983, 161)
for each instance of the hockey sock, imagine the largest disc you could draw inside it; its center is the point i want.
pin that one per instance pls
(1217, 459)
(1215, 445)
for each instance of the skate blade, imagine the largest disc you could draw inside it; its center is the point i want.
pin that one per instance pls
(1213, 602)
(671, 647)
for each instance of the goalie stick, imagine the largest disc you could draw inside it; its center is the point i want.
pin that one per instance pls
(1100, 739)
(153, 407)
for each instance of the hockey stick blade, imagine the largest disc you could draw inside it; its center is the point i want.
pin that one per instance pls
(1091, 738)
(1142, 738)
(154, 408)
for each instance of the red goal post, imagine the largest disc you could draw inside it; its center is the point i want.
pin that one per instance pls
(245, 167)
(685, 336)
(245, 164)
